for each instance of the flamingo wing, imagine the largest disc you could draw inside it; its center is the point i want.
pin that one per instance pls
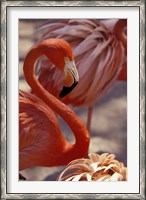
(40, 139)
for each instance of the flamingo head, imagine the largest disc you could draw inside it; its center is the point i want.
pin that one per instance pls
(71, 77)
(61, 55)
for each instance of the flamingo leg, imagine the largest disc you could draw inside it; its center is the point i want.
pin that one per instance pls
(89, 117)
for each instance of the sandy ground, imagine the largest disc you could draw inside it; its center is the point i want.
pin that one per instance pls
(109, 120)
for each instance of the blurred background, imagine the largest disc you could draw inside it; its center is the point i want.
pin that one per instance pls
(109, 121)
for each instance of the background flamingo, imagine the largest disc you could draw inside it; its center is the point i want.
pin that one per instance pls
(99, 47)
(109, 116)
(41, 141)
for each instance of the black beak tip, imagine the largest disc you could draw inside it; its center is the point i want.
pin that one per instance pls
(67, 90)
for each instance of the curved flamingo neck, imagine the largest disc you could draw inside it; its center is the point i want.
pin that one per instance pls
(80, 132)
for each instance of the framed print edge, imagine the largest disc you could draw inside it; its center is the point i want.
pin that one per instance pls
(4, 97)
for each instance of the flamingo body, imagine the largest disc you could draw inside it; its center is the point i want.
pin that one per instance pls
(41, 142)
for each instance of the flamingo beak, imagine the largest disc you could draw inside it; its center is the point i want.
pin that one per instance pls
(67, 90)
(71, 78)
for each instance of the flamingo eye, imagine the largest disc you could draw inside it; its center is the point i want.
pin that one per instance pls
(66, 59)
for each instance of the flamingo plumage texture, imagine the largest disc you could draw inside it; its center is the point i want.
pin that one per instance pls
(41, 142)
(96, 167)
(99, 47)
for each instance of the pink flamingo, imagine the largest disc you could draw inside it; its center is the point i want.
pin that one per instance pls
(99, 48)
(41, 142)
